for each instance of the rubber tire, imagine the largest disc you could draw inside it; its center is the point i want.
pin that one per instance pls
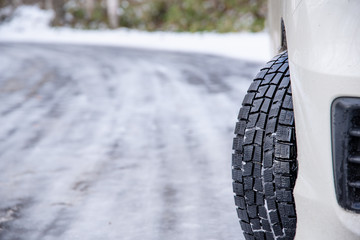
(264, 165)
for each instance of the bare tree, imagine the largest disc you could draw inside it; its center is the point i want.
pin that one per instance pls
(112, 8)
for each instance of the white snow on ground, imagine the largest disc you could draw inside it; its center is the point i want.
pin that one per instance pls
(117, 143)
(31, 24)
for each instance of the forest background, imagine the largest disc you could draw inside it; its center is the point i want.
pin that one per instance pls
(151, 15)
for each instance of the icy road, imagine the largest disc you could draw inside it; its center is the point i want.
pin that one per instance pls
(102, 143)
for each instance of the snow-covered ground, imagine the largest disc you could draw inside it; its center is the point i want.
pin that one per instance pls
(111, 142)
(117, 143)
(30, 24)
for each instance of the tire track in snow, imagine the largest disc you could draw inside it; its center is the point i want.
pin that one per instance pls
(130, 144)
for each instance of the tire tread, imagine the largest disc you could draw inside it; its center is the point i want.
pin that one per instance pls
(264, 161)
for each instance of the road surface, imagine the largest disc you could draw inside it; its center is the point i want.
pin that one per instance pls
(115, 143)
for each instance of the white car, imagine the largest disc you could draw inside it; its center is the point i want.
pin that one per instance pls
(296, 161)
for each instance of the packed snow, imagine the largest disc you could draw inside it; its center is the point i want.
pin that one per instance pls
(117, 143)
(121, 140)
(31, 24)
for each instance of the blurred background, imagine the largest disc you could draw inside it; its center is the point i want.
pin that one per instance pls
(151, 15)
(117, 116)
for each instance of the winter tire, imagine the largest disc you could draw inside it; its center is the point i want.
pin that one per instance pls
(264, 165)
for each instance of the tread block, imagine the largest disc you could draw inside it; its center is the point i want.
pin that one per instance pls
(277, 229)
(268, 175)
(268, 159)
(258, 185)
(290, 210)
(281, 167)
(268, 78)
(289, 91)
(237, 175)
(271, 91)
(237, 160)
(284, 195)
(249, 236)
(269, 143)
(257, 154)
(259, 137)
(240, 127)
(274, 217)
(247, 170)
(248, 99)
(244, 113)
(271, 203)
(284, 68)
(238, 188)
(259, 235)
(255, 223)
(249, 136)
(254, 86)
(286, 117)
(248, 152)
(277, 78)
(282, 151)
(287, 102)
(252, 211)
(270, 63)
(238, 143)
(282, 182)
(284, 133)
(271, 125)
(250, 197)
(266, 225)
(269, 189)
(259, 198)
(269, 236)
(290, 223)
(256, 105)
(275, 67)
(261, 121)
(261, 75)
(242, 214)
(248, 183)
(256, 170)
(240, 202)
(262, 212)
(274, 111)
(265, 106)
(252, 120)
(246, 227)
(290, 232)
(261, 91)
(279, 95)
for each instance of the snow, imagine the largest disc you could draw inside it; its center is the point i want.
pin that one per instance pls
(31, 24)
(117, 143)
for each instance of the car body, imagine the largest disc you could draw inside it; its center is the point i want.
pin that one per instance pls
(322, 39)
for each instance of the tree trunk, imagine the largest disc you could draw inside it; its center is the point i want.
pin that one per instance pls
(59, 18)
(89, 8)
(46, 4)
(112, 7)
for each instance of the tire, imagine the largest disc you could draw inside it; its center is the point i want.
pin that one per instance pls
(264, 165)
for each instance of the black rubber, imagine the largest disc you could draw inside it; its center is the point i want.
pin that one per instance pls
(264, 160)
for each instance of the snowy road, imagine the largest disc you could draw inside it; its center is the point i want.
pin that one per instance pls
(115, 143)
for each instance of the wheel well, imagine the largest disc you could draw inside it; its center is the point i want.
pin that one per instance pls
(283, 46)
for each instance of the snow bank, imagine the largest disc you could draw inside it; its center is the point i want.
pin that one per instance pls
(31, 24)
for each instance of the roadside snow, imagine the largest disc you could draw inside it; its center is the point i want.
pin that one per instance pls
(31, 24)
